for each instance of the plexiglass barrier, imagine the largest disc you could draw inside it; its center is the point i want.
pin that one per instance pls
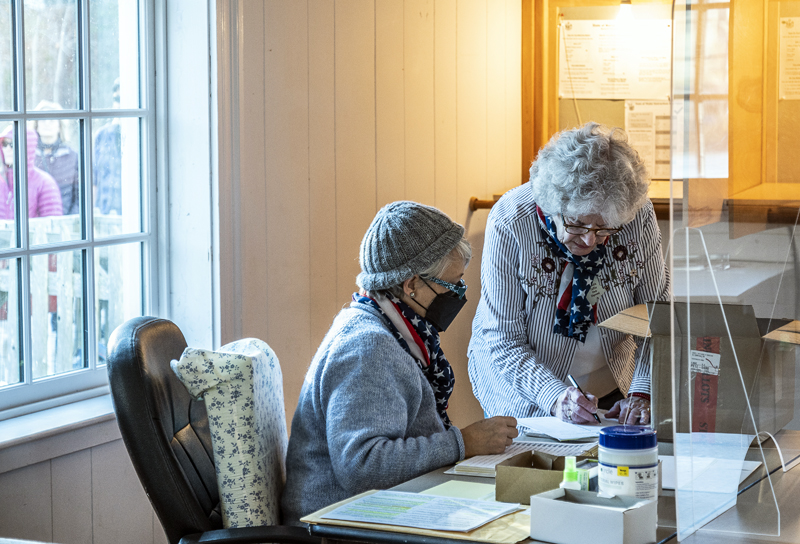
(725, 349)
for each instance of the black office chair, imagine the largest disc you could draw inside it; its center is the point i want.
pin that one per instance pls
(167, 437)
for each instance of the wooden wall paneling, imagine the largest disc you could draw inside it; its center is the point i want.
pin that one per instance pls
(72, 498)
(528, 82)
(390, 151)
(512, 76)
(27, 503)
(323, 223)
(356, 199)
(496, 84)
(419, 24)
(286, 179)
(746, 108)
(471, 102)
(746, 72)
(472, 72)
(445, 95)
(121, 511)
(252, 204)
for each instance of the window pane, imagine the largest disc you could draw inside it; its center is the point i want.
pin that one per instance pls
(6, 51)
(10, 347)
(115, 53)
(117, 176)
(8, 233)
(56, 161)
(56, 313)
(118, 289)
(51, 52)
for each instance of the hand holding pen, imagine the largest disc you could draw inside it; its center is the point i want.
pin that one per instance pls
(574, 406)
(578, 387)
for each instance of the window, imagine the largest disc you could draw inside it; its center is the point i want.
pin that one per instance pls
(77, 222)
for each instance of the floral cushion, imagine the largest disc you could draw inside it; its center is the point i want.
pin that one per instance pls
(243, 389)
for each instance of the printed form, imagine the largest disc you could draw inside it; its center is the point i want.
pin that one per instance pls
(421, 511)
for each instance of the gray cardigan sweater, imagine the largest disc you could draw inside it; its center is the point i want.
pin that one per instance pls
(366, 418)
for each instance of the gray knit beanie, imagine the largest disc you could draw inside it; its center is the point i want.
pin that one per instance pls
(404, 239)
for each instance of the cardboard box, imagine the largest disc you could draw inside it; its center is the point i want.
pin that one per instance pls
(526, 474)
(564, 516)
(706, 373)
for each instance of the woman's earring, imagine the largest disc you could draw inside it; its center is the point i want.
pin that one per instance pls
(412, 294)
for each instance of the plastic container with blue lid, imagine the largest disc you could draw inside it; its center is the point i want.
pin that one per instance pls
(628, 458)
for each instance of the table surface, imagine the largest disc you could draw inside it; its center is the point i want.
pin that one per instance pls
(749, 515)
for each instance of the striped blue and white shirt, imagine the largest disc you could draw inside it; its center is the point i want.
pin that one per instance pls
(517, 364)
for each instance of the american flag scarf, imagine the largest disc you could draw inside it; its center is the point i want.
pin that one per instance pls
(436, 368)
(574, 312)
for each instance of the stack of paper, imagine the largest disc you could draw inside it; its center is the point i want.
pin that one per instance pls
(559, 430)
(484, 465)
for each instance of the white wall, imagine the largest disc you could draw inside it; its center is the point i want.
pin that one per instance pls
(335, 109)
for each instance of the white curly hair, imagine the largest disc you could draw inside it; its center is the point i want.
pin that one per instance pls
(590, 170)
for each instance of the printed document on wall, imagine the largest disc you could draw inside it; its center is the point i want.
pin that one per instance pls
(610, 59)
(647, 125)
(790, 59)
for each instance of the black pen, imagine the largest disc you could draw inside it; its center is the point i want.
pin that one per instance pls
(578, 387)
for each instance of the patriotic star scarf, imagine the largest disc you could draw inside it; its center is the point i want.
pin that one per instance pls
(574, 313)
(436, 369)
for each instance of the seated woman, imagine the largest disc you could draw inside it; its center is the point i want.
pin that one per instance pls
(372, 411)
(572, 247)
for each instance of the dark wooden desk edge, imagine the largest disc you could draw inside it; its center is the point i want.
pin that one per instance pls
(355, 534)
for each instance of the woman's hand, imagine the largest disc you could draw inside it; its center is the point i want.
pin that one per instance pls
(575, 407)
(489, 436)
(631, 411)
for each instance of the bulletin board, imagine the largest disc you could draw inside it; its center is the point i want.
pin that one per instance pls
(646, 97)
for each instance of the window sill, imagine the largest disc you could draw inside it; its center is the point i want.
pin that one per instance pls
(45, 435)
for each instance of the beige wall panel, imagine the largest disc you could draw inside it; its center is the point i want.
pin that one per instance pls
(513, 113)
(390, 102)
(26, 501)
(252, 204)
(445, 110)
(419, 100)
(495, 96)
(471, 102)
(471, 134)
(72, 498)
(355, 134)
(121, 511)
(321, 170)
(287, 189)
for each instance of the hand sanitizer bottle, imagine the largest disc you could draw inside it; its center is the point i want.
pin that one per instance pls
(570, 480)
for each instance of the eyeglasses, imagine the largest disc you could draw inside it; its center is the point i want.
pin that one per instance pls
(579, 229)
(459, 288)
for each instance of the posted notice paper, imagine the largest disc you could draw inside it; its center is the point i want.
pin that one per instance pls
(421, 511)
(647, 124)
(790, 59)
(614, 59)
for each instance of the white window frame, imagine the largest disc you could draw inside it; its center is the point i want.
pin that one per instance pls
(84, 383)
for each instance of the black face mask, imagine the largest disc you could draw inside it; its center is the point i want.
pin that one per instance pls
(443, 309)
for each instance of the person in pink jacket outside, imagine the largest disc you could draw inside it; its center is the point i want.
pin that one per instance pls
(44, 197)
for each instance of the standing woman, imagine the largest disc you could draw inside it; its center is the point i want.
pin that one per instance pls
(563, 252)
(373, 409)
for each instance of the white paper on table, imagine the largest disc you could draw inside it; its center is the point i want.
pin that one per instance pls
(700, 466)
(421, 511)
(491, 461)
(484, 465)
(560, 430)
